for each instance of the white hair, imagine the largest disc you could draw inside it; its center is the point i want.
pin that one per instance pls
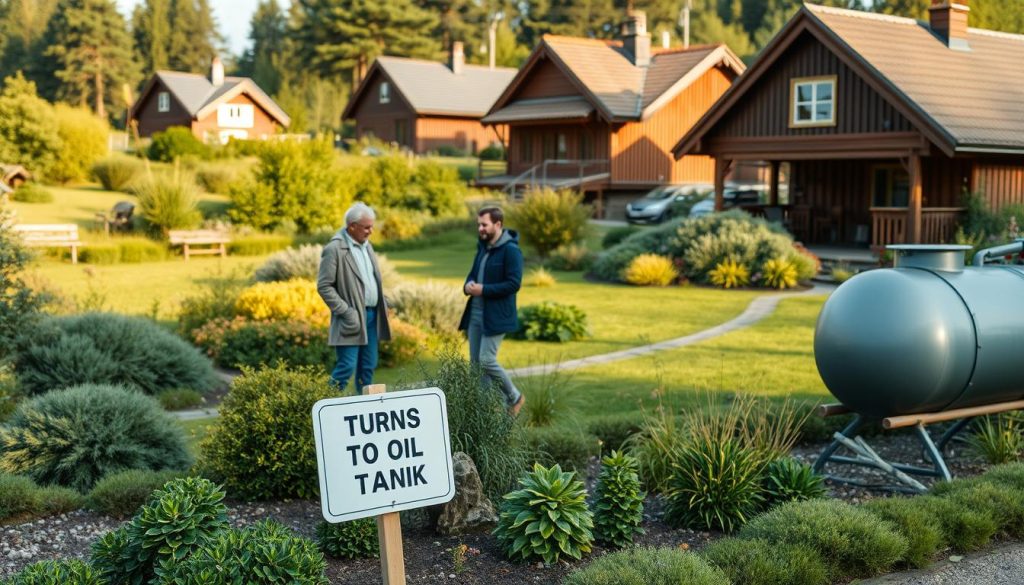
(358, 211)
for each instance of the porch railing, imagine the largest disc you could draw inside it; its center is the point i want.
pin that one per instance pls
(889, 225)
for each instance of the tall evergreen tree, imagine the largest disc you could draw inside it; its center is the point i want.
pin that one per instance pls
(22, 25)
(194, 39)
(460, 20)
(264, 59)
(345, 36)
(91, 52)
(576, 18)
(151, 27)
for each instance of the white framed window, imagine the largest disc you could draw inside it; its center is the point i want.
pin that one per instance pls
(235, 115)
(163, 102)
(812, 102)
(385, 92)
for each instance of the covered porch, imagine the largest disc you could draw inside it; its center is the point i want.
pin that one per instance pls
(854, 193)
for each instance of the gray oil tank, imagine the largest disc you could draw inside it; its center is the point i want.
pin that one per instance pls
(925, 336)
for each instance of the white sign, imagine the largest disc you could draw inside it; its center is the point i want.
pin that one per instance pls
(382, 453)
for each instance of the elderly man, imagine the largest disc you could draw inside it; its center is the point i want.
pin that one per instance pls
(349, 282)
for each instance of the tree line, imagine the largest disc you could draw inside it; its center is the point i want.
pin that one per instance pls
(308, 56)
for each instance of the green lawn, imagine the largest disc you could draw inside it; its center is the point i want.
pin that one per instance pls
(195, 432)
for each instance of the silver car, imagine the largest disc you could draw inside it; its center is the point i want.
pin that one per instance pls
(665, 202)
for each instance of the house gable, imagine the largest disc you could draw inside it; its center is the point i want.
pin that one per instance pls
(366, 100)
(263, 123)
(147, 111)
(545, 79)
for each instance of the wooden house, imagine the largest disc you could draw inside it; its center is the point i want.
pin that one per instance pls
(215, 108)
(426, 105)
(600, 115)
(874, 126)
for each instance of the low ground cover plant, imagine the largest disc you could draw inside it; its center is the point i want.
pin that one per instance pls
(648, 566)
(759, 562)
(22, 499)
(547, 518)
(922, 530)
(348, 540)
(62, 572)
(108, 348)
(32, 193)
(120, 493)
(74, 437)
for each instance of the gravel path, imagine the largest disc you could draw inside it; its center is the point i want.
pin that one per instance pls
(1003, 565)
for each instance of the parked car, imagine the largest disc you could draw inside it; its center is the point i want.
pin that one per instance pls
(702, 208)
(666, 202)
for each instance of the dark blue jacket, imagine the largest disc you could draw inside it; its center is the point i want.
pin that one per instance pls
(503, 274)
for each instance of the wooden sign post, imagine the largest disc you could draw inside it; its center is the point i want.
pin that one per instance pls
(381, 453)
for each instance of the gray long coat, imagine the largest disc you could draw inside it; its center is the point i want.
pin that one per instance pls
(341, 287)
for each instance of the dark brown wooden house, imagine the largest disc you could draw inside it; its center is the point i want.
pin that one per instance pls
(603, 115)
(215, 108)
(426, 105)
(875, 126)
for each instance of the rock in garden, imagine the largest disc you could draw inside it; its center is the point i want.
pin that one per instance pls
(470, 509)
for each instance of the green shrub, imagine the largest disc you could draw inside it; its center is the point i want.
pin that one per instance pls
(109, 348)
(101, 253)
(406, 344)
(565, 446)
(301, 262)
(84, 139)
(117, 173)
(548, 219)
(178, 520)
(550, 399)
(997, 439)
(9, 393)
(74, 437)
(547, 518)
(479, 423)
(655, 448)
(120, 494)
(294, 182)
(32, 193)
(1003, 503)
(619, 503)
(396, 225)
(571, 258)
(853, 541)
(437, 189)
(19, 497)
(714, 485)
(179, 398)
(385, 181)
(962, 529)
(62, 572)
(788, 480)
(258, 244)
(216, 300)
(176, 142)
(610, 264)
(551, 321)
(492, 152)
(616, 235)
(614, 429)
(136, 250)
(240, 342)
(1010, 474)
(261, 445)
(348, 540)
(922, 530)
(216, 178)
(432, 305)
(168, 202)
(758, 562)
(59, 500)
(265, 553)
(28, 125)
(648, 566)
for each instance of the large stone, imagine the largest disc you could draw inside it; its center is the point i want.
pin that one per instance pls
(469, 510)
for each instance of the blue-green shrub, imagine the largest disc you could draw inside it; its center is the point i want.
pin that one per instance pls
(73, 437)
(759, 562)
(648, 566)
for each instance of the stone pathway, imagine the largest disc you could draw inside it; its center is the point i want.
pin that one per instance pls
(1002, 565)
(758, 309)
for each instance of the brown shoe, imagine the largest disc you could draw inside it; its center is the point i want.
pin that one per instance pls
(515, 408)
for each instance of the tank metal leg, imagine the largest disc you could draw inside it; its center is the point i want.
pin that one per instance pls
(826, 455)
(952, 432)
(934, 453)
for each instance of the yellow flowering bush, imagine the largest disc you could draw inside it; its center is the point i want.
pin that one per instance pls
(540, 278)
(780, 273)
(407, 341)
(730, 274)
(291, 300)
(397, 226)
(650, 270)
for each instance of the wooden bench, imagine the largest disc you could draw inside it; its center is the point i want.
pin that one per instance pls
(57, 235)
(216, 240)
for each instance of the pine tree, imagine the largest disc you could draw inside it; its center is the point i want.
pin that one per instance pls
(461, 20)
(193, 40)
(22, 25)
(264, 60)
(345, 36)
(151, 26)
(91, 53)
(576, 18)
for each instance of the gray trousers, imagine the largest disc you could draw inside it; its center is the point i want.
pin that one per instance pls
(483, 350)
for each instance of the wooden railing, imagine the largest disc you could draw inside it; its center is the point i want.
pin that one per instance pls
(889, 225)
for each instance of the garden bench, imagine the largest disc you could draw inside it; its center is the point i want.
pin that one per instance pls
(57, 235)
(216, 240)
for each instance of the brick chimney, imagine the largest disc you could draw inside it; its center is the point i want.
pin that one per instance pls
(948, 20)
(217, 72)
(457, 59)
(635, 39)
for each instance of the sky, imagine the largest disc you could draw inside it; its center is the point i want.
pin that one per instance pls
(232, 19)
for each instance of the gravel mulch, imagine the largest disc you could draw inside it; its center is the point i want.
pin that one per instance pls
(429, 557)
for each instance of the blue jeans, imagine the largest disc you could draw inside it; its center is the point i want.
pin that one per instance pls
(483, 350)
(362, 359)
